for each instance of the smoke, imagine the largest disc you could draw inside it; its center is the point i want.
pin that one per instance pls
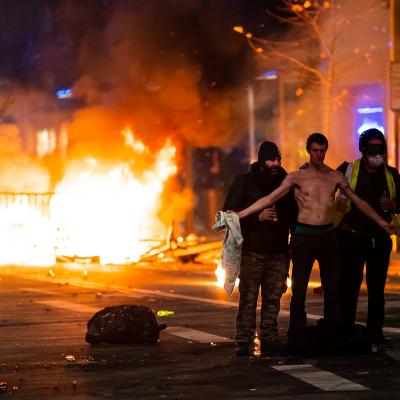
(166, 69)
(142, 69)
(356, 33)
(18, 172)
(170, 68)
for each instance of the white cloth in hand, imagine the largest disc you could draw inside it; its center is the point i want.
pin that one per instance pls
(231, 247)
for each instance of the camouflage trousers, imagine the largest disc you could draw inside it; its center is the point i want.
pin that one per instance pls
(268, 272)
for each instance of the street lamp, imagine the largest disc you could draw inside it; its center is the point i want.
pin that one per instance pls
(266, 76)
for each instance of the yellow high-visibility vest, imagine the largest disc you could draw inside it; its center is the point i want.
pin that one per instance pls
(343, 203)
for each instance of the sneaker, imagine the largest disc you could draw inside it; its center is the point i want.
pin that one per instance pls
(272, 347)
(242, 349)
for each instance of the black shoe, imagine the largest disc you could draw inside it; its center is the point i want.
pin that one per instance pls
(272, 347)
(242, 349)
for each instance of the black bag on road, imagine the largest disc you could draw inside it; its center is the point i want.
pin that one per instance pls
(128, 324)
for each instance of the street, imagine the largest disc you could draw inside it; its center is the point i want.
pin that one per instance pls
(44, 354)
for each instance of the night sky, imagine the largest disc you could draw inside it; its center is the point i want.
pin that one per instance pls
(40, 37)
(165, 67)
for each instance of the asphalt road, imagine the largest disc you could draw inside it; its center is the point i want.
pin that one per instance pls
(44, 355)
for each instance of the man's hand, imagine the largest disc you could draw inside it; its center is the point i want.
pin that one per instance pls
(269, 214)
(389, 228)
(239, 213)
(387, 204)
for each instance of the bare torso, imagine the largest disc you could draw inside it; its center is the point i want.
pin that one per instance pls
(314, 191)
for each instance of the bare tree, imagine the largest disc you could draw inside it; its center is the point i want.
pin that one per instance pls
(310, 51)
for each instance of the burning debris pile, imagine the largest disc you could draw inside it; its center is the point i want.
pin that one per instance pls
(189, 249)
(99, 211)
(84, 192)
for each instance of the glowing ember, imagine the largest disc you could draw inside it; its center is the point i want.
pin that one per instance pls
(220, 273)
(289, 282)
(97, 210)
(133, 143)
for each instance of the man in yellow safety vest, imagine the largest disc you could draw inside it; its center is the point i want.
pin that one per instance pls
(363, 241)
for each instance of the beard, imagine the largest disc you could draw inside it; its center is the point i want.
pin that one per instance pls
(273, 171)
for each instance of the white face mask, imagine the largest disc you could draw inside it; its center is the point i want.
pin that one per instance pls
(375, 161)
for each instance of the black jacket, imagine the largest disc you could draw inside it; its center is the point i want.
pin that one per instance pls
(262, 237)
(370, 187)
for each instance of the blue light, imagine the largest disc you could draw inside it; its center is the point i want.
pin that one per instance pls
(268, 75)
(368, 124)
(64, 93)
(370, 117)
(370, 110)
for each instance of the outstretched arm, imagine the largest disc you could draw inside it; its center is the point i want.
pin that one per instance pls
(364, 207)
(267, 201)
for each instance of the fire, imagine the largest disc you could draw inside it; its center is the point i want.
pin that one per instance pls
(220, 273)
(96, 210)
(26, 235)
(288, 282)
(46, 142)
(130, 141)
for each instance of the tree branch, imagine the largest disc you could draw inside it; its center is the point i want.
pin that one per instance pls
(287, 57)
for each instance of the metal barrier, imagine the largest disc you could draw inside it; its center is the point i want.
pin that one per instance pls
(40, 201)
(23, 233)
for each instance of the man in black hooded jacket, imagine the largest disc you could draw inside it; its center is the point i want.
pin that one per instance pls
(265, 253)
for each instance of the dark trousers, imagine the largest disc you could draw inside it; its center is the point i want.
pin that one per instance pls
(308, 247)
(357, 250)
(268, 272)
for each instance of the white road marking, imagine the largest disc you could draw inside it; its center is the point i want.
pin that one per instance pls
(392, 304)
(197, 336)
(395, 354)
(388, 304)
(187, 333)
(118, 294)
(79, 283)
(41, 291)
(122, 292)
(391, 330)
(321, 379)
(186, 297)
(67, 305)
(58, 337)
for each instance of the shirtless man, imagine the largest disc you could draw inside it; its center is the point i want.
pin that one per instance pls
(314, 237)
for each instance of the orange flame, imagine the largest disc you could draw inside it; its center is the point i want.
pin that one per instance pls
(220, 274)
(97, 210)
(26, 235)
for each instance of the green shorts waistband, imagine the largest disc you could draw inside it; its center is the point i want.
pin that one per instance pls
(306, 228)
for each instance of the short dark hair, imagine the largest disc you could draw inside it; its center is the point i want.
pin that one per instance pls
(316, 138)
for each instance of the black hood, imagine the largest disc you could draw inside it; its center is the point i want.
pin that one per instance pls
(266, 181)
(268, 151)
